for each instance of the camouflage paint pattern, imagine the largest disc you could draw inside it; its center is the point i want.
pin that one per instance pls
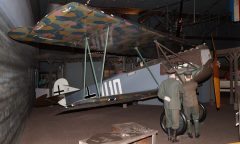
(70, 24)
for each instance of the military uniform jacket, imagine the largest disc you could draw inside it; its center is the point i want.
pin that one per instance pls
(190, 97)
(173, 89)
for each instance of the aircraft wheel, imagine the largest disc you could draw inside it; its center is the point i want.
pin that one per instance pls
(182, 123)
(202, 112)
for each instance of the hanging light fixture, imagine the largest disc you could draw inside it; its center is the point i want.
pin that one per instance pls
(87, 3)
(53, 6)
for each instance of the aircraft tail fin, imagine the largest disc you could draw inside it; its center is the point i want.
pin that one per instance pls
(61, 87)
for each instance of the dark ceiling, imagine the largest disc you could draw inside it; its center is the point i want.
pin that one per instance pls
(201, 6)
(210, 16)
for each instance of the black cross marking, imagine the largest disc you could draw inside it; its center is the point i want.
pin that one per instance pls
(59, 91)
(88, 94)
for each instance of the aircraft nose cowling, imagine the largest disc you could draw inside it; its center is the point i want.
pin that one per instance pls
(205, 72)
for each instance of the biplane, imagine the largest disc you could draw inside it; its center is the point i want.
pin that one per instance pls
(91, 30)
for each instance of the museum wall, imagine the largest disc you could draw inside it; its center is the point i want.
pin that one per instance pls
(16, 71)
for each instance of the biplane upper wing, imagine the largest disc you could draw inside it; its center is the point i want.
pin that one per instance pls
(70, 24)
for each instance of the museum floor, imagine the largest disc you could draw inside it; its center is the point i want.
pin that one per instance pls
(46, 126)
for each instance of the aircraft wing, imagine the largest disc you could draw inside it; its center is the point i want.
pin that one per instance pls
(70, 24)
(111, 100)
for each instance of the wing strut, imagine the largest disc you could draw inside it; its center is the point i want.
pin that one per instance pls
(136, 48)
(92, 67)
(85, 67)
(104, 56)
(174, 54)
(87, 50)
(157, 45)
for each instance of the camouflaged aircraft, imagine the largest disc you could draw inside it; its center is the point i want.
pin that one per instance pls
(91, 30)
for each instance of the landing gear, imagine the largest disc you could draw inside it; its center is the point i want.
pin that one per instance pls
(183, 121)
(202, 112)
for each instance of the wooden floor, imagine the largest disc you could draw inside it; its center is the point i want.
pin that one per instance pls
(46, 126)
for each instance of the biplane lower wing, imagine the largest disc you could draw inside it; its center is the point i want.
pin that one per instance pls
(70, 24)
(112, 100)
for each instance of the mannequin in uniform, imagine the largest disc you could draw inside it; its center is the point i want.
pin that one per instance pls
(190, 104)
(170, 91)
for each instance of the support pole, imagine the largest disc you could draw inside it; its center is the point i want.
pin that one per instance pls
(84, 68)
(167, 18)
(194, 11)
(179, 21)
(104, 57)
(231, 79)
(50, 76)
(124, 63)
(93, 69)
(136, 48)
(236, 56)
(236, 80)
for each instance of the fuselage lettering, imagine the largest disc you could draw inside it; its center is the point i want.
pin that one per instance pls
(112, 87)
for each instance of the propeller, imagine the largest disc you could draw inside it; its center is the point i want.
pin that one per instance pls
(216, 79)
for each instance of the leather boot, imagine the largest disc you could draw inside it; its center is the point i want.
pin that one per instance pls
(169, 134)
(196, 128)
(174, 138)
(189, 129)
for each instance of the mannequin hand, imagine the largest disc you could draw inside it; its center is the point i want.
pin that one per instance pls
(166, 98)
(219, 64)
